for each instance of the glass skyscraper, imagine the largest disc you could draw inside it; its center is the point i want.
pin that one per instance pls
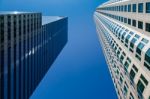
(29, 44)
(123, 28)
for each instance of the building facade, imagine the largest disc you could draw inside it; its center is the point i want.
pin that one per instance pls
(123, 28)
(29, 44)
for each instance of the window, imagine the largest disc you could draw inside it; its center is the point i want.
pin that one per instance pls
(144, 80)
(133, 72)
(125, 8)
(148, 7)
(122, 8)
(140, 7)
(123, 35)
(2, 29)
(129, 21)
(126, 65)
(127, 39)
(121, 19)
(134, 23)
(140, 87)
(132, 42)
(139, 48)
(147, 56)
(131, 96)
(147, 27)
(125, 89)
(132, 75)
(133, 7)
(140, 25)
(121, 58)
(137, 36)
(145, 40)
(129, 8)
(135, 68)
(125, 20)
(121, 80)
(147, 59)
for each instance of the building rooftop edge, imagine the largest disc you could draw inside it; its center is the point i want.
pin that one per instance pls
(15, 12)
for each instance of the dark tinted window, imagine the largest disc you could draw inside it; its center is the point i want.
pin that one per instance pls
(129, 8)
(147, 56)
(147, 27)
(140, 25)
(140, 7)
(148, 7)
(134, 8)
(134, 23)
(139, 48)
(129, 21)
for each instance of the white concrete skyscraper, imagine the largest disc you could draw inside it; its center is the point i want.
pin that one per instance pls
(123, 27)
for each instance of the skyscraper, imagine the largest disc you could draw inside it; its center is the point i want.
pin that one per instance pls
(123, 27)
(29, 44)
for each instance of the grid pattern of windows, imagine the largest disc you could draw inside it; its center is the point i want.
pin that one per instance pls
(134, 22)
(127, 8)
(21, 44)
(127, 51)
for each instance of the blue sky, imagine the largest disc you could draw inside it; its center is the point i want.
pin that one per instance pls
(80, 71)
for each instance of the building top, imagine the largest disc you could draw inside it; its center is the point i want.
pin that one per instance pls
(111, 2)
(49, 19)
(14, 12)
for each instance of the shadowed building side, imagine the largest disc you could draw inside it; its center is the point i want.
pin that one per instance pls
(29, 44)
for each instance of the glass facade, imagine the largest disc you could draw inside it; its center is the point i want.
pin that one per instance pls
(29, 50)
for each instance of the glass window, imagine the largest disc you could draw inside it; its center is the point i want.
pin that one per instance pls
(140, 7)
(129, 21)
(131, 96)
(135, 68)
(148, 7)
(139, 48)
(144, 80)
(134, 23)
(145, 40)
(127, 38)
(132, 75)
(125, 8)
(147, 65)
(123, 35)
(133, 7)
(121, 19)
(137, 36)
(125, 90)
(131, 33)
(140, 25)
(126, 65)
(140, 87)
(129, 8)
(121, 58)
(121, 80)
(132, 42)
(147, 56)
(147, 27)
(122, 8)
(125, 20)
